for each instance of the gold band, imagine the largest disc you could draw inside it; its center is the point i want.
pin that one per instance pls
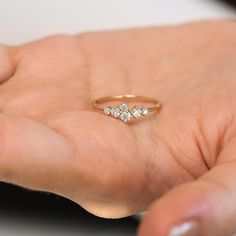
(130, 97)
(122, 111)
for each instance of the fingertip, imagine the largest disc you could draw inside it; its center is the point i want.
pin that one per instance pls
(179, 212)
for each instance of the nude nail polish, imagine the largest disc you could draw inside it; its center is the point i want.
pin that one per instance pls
(190, 228)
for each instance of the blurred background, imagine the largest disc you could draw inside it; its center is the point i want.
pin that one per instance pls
(26, 20)
(28, 213)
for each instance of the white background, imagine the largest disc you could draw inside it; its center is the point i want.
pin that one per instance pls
(25, 20)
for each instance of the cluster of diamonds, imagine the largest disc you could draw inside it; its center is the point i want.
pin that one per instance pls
(123, 112)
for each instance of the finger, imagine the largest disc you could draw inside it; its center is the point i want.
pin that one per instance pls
(6, 64)
(205, 207)
(31, 155)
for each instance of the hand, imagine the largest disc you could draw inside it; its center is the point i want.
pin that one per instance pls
(52, 140)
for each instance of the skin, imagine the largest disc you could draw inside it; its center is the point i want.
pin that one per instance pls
(182, 158)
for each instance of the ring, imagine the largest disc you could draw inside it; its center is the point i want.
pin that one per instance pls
(122, 110)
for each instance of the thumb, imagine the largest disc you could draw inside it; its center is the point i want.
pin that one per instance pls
(205, 207)
(32, 155)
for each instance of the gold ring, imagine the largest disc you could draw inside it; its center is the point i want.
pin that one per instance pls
(122, 110)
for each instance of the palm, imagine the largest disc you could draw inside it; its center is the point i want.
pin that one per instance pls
(55, 80)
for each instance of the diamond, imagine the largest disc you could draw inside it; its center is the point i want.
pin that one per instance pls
(123, 107)
(136, 112)
(125, 116)
(115, 112)
(145, 111)
(107, 110)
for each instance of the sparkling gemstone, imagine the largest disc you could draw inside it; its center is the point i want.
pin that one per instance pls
(123, 107)
(145, 111)
(136, 112)
(107, 110)
(115, 112)
(125, 116)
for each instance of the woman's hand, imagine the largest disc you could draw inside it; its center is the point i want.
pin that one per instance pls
(52, 140)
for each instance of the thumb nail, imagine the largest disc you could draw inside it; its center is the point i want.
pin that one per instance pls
(190, 228)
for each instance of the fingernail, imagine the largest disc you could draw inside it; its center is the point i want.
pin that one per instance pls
(190, 228)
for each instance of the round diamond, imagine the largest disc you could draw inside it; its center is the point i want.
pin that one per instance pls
(136, 112)
(115, 112)
(125, 116)
(145, 111)
(107, 110)
(123, 107)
